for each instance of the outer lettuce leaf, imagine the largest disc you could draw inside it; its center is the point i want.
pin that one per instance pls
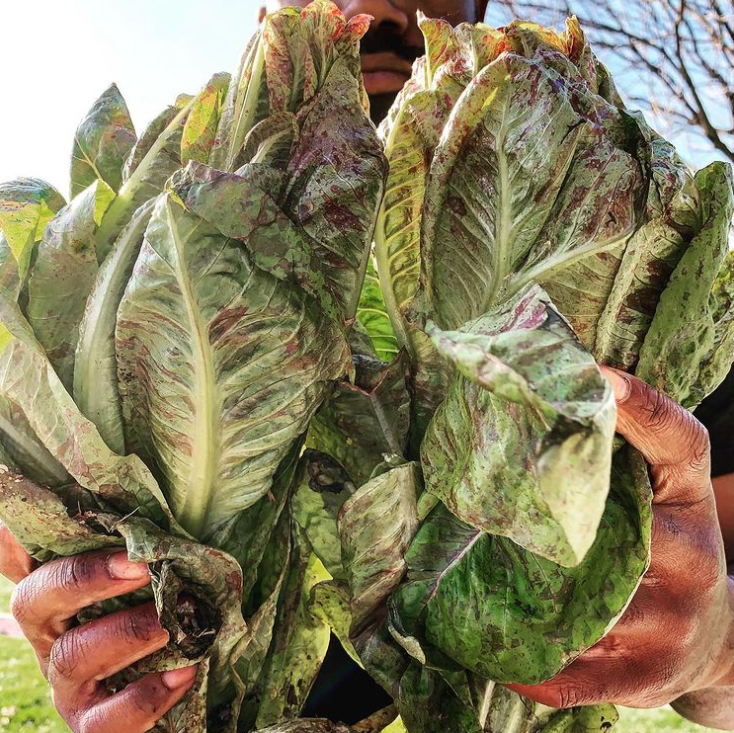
(690, 345)
(473, 598)
(330, 603)
(201, 125)
(365, 420)
(119, 502)
(300, 640)
(95, 362)
(63, 275)
(522, 446)
(376, 526)
(102, 143)
(148, 169)
(145, 142)
(26, 207)
(317, 501)
(245, 364)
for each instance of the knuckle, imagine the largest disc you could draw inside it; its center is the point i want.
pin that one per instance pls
(21, 601)
(569, 697)
(73, 573)
(67, 653)
(148, 701)
(657, 409)
(140, 625)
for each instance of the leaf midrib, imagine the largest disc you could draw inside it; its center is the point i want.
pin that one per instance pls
(198, 489)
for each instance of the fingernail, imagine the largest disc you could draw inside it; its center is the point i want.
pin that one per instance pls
(620, 384)
(177, 678)
(120, 568)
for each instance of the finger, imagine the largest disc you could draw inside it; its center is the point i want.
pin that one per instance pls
(585, 682)
(672, 441)
(85, 655)
(45, 602)
(138, 707)
(15, 562)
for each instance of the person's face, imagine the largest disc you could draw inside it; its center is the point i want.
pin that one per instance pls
(394, 40)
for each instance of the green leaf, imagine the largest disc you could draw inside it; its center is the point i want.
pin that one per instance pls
(146, 141)
(30, 385)
(482, 602)
(372, 315)
(529, 410)
(201, 125)
(376, 526)
(63, 275)
(330, 604)
(365, 420)
(300, 640)
(102, 142)
(149, 167)
(217, 403)
(690, 345)
(26, 207)
(95, 363)
(317, 501)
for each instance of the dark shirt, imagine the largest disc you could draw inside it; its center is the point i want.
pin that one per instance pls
(717, 414)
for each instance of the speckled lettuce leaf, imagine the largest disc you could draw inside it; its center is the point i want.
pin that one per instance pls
(315, 725)
(95, 362)
(26, 207)
(218, 403)
(690, 345)
(30, 384)
(63, 275)
(300, 639)
(148, 169)
(282, 70)
(529, 410)
(366, 419)
(330, 603)
(152, 132)
(201, 125)
(323, 488)
(482, 602)
(376, 526)
(438, 701)
(102, 142)
(505, 158)
(326, 183)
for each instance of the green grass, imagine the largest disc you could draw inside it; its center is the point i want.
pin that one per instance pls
(25, 703)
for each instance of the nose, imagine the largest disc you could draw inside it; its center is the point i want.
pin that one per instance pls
(384, 12)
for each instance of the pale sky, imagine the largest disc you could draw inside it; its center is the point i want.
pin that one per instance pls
(58, 56)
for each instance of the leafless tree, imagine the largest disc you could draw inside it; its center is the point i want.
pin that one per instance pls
(672, 58)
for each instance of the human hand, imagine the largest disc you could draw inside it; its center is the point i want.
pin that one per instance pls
(677, 636)
(77, 659)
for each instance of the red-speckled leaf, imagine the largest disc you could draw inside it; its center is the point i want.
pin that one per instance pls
(102, 143)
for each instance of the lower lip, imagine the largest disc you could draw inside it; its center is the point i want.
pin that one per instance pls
(384, 82)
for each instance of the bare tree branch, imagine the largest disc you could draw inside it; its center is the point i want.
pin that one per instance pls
(674, 58)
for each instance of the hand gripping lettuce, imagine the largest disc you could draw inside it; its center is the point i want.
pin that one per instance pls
(167, 336)
(532, 227)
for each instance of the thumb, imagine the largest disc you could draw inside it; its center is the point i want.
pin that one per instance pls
(15, 562)
(672, 441)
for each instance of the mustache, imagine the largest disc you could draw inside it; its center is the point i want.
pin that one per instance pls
(383, 40)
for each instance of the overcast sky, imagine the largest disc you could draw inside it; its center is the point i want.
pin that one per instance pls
(58, 56)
